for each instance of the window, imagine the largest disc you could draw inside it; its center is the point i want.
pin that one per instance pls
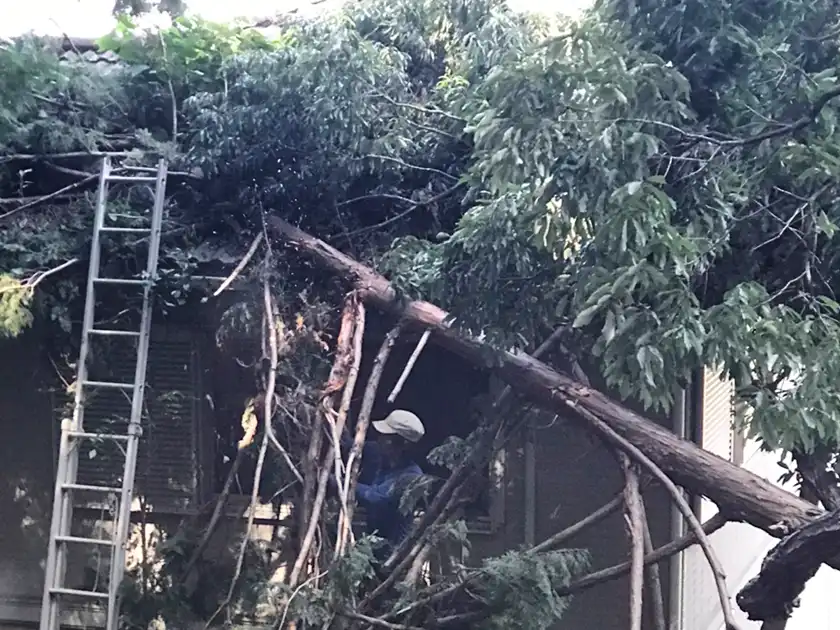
(167, 473)
(445, 392)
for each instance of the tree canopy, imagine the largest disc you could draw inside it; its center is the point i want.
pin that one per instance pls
(657, 179)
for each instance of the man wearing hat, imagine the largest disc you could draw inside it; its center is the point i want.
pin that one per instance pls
(392, 468)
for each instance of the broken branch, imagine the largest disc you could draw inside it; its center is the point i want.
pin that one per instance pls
(362, 424)
(344, 519)
(635, 526)
(772, 594)
(409, 366)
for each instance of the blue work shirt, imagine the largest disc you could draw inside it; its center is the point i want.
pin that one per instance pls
(381, 497)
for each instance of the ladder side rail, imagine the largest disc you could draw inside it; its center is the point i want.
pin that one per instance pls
(137, 403)
(68, 454)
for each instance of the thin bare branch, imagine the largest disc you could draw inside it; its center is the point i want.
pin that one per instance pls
(665, 551)
(241, 266)
(413, 167)
(252, 512)
(363, 422)
(312, 526)
(410, 365)
(216, 517)
(414, 206)
(378, 623)
(554, 541)
(271, 384)
(45, 198)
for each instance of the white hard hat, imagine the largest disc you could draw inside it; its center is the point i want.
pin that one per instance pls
(403, 423)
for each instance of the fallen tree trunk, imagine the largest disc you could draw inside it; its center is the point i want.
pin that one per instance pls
(774, 593)
(741, 495)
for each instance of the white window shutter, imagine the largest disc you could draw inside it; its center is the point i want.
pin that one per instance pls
(718, 414)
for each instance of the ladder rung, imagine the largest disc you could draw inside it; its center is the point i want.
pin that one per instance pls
(84, 541)
(79, 487)
(108, 385)
(120, 281)
(117, 437)
(77, 593)
(114, 333)
(129, 179)
(126, 230)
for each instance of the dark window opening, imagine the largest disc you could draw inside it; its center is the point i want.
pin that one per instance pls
(442, 389)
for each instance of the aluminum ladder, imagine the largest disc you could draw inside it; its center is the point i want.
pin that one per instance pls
(72, 430)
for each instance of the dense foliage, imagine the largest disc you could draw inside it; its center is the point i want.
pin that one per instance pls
(659, 177)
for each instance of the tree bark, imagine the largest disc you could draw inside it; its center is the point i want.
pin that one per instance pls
(741, 495)
(774, 593)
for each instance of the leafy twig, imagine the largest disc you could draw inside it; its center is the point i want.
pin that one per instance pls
(38, 277)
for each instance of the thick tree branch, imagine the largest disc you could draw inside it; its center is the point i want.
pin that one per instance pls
(740, 494)
(773, 594)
